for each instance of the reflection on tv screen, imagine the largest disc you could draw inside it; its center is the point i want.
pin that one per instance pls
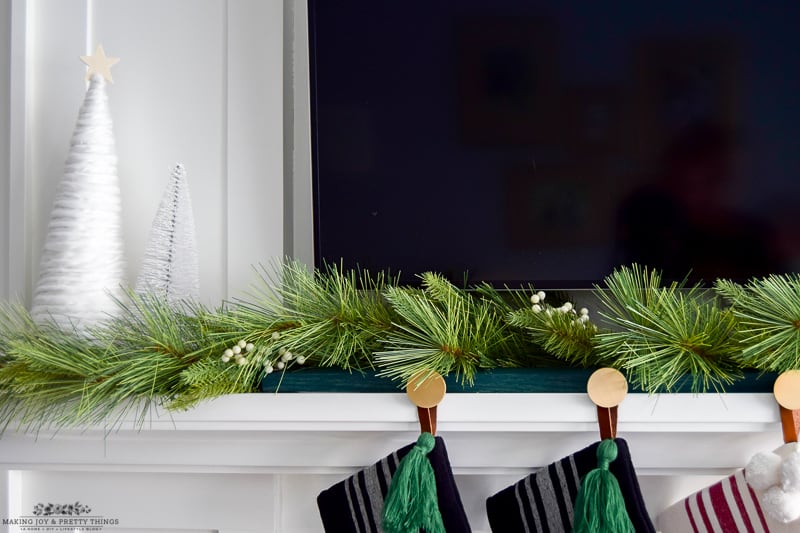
(551, 141)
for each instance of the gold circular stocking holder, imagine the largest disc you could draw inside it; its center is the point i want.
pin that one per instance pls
(787, 390)
(426, 390)
(607, 387)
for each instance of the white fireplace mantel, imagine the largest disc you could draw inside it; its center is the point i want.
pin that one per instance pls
(289, 446)
(338, 430)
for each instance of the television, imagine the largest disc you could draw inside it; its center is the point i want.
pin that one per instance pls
(549, 141)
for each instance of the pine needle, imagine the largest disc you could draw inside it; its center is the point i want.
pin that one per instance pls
(57, 377)
(560, 333)
(666, 335)
(769, 313)
(443, 329)
(334, 318)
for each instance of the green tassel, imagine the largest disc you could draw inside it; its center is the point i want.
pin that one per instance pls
(411, 502)
(599, 506)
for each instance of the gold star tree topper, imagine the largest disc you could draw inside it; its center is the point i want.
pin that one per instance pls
(99, 63)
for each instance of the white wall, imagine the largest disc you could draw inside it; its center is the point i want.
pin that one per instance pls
(200, 82)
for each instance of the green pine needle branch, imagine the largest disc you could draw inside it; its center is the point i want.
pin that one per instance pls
(57, 377)
(768, 310)
(441, 329)
(294, 316)
(664, 335)
(334, 318)
(563, 331)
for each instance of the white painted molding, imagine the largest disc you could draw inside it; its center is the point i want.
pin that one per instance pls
(297, 62)
(16, 255)
(5, 165)
(254, 138)
(294, 445)
(486, 433)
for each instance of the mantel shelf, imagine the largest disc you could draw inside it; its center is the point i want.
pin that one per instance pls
(478, 412)
(333, 431)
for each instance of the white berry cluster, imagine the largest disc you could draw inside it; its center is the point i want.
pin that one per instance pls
(283, 359)
(538, 300)
(238, 352)
(581, 315)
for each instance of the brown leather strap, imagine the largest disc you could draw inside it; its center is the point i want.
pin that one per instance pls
(427, 419)
(790, 422)
(607, 419)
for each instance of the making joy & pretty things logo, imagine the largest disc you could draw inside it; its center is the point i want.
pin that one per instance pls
(68, 517)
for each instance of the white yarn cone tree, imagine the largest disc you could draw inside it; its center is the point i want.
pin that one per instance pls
(82, 265)
(170, 268)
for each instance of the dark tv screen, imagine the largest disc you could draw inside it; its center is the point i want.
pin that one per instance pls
(516, 141)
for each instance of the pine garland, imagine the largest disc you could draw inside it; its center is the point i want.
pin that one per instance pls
(332, 317)
(327, 318)
(666, 334)
(59, 377)
(443, 330)
(561, 331)
(768, 310)
(520, 348)
(159, 353)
